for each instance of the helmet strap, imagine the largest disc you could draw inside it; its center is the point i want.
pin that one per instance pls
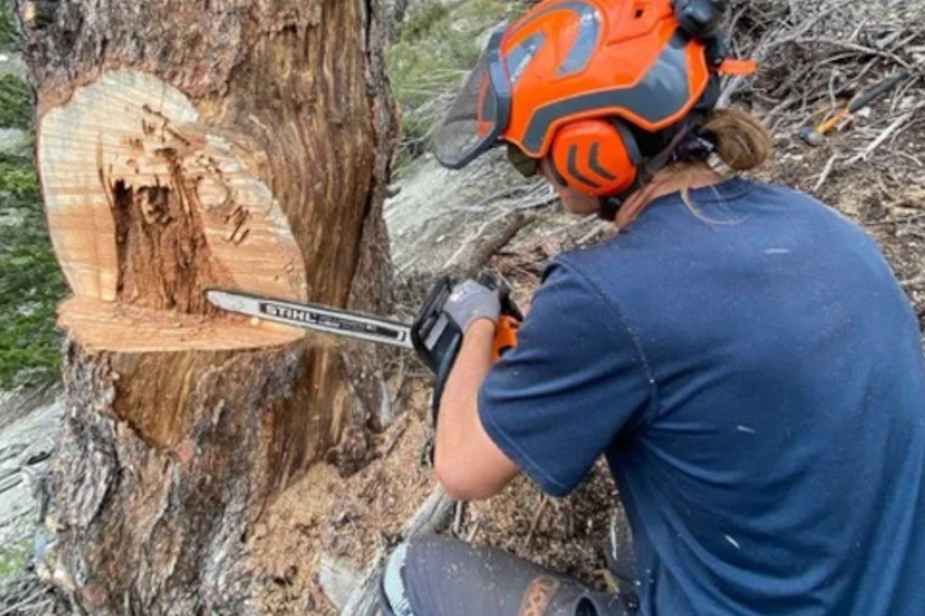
(610, 206)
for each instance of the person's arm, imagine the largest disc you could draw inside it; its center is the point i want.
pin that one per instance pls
(573, 382)
(553, 404)
(467, 462)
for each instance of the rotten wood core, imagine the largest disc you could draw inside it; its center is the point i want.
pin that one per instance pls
(148, 207)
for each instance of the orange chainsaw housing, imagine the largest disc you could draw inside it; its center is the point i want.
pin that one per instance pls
(505, 336)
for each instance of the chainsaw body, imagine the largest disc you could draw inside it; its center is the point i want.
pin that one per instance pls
(437, 339)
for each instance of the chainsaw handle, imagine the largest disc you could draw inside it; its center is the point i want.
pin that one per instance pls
(508, 306)
(511, 317)
(437, 339)
(505, 336)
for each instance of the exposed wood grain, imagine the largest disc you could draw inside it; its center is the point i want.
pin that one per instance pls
(110, 326)
(183, 145)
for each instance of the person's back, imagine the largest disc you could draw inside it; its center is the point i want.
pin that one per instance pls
(777, 464)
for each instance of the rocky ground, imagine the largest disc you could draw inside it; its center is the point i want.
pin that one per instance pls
(29, 422)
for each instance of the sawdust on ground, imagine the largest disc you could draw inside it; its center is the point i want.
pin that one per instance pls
(356, 519)
(359, 519)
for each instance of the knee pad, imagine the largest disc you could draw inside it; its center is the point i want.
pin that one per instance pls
(393, 599)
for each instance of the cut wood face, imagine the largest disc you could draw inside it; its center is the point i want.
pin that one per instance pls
(147, 206)
(114, 326)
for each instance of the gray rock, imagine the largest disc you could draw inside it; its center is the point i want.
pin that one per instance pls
(16, 142)
(12, 63)
(29, 424)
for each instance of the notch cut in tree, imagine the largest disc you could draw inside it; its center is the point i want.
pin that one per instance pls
(187, 145)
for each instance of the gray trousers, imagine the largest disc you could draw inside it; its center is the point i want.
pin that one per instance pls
(439, 576)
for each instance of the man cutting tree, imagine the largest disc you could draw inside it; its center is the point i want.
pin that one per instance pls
(740, 353)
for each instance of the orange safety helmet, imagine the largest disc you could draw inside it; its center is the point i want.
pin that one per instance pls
(578, 82)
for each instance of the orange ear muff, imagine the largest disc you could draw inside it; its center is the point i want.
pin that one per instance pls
(597, 157)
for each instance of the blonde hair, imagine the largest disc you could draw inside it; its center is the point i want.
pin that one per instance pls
(742, 141)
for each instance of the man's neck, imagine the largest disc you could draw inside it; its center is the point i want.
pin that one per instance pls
(670, 180)
(676, 178)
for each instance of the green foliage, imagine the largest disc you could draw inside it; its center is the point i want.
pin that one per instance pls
(420, 73)
(435, 51)
(18, 180)
(490, 12)
(414, 140)
(437, 47)
(14, 559)
(414, 129)
(31, 284)
(15, 102)
(8, 34)
(421, 22)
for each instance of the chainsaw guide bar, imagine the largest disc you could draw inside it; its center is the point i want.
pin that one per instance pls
(315, 317)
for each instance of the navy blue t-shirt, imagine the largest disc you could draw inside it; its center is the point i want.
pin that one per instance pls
(755, 377)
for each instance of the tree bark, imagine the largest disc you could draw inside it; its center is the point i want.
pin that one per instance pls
(184, 145)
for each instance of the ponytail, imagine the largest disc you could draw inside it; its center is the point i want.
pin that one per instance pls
(742, 141)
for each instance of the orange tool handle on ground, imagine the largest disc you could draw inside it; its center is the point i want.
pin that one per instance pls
(505, 336)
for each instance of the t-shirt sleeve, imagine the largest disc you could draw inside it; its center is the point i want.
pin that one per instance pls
(555, 402)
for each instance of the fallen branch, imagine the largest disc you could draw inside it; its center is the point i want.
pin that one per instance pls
(338, 580)
(364, 601)
(431, 516)
(28, 602)
(856, 47)
(825, 172)
(896, 221)
(544, 500)
(886, 134)
(494, 235)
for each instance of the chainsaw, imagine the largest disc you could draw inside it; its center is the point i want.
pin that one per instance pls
(433, 336)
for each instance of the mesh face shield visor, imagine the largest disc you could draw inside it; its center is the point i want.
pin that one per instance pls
(480, 112)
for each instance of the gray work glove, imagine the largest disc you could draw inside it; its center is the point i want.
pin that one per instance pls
(469, 302)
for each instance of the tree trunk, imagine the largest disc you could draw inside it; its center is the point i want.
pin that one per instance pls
(185, 145)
